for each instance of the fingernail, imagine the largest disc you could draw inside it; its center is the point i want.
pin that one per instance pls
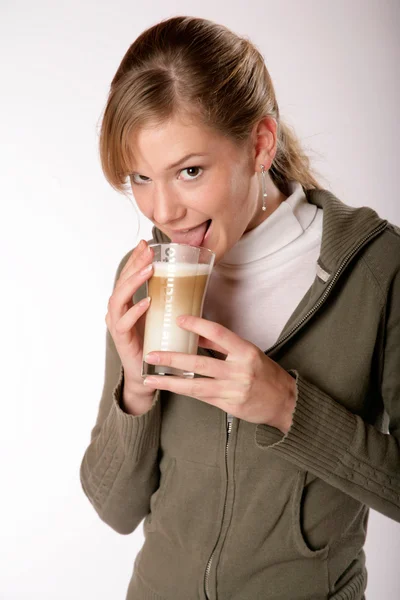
(146, 270)
(150, 381)
(152, 358)
(145, 301)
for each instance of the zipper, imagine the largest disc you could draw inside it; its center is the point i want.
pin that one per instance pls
(316, 306)
(229, 419)
(314, 309)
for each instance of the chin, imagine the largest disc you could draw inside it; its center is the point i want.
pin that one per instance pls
(219, 254)
(220, 245)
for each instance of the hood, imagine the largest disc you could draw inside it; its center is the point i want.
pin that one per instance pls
(344, 228)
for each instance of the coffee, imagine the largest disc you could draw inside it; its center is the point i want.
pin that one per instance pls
(175, 290)
(177, 287)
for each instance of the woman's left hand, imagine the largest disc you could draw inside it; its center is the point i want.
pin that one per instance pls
(247, 384)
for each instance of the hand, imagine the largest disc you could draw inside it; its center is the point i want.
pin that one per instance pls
(248, 384)
(125, 321)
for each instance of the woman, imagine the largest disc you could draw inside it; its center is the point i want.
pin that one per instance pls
(255, 478)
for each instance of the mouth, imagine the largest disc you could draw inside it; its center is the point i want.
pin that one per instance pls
(193, 237)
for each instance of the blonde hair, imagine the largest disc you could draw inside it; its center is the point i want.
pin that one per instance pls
(196, 68)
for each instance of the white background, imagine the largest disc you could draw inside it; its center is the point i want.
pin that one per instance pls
(64, 230)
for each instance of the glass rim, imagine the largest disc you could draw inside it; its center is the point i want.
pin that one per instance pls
(185, 245)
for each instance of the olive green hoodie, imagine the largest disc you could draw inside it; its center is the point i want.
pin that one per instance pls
(245, 512)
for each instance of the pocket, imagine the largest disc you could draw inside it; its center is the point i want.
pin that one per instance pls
(181, 535)
(264, 542)
(299, 507)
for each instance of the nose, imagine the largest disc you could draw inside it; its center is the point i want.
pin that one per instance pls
(166, 205)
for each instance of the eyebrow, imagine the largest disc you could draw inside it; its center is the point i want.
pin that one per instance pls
(183, 159)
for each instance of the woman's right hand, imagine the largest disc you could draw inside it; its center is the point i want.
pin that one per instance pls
(125, 320)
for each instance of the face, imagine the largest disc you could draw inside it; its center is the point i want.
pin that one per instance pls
(217, 182)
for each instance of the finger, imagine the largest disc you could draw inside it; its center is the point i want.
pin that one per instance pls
(207, 390)
(229, 342)
(204, 343)
(202, 365)
(142, 259)
(133, 256)
(130, 318)
(122, 297)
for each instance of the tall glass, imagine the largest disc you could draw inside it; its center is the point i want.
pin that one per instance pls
(177, 287)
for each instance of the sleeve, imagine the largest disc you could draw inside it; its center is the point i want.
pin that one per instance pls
(339, 446)
(119, 470)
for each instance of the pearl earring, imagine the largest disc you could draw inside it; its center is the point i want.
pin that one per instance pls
(264, 190)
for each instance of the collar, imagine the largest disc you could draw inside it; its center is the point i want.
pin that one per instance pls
(344, 229)
(288, 222)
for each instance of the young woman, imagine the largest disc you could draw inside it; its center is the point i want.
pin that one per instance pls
(254, 479)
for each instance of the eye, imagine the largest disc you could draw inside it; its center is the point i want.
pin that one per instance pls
(138, 179)
(193, 172)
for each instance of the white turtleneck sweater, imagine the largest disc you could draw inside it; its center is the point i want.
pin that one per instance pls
(259, 282)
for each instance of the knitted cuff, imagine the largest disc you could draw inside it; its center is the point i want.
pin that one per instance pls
(136, 433)
(320, 434)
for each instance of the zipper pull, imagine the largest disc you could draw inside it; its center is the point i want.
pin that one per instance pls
(229, 419)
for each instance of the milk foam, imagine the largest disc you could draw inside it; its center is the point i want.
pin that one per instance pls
(163, 269)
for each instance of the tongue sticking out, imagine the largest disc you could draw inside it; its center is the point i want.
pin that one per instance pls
(194, 237)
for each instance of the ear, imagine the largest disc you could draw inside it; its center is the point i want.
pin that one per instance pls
(264, 142)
